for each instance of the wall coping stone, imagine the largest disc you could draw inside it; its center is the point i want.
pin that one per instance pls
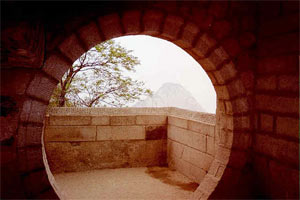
(169, 111)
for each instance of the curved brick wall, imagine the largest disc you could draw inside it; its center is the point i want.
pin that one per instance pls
(248, 49)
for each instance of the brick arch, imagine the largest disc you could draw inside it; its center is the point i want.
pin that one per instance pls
(210, 42)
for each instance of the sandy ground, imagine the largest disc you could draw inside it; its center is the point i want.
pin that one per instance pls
(126, 183)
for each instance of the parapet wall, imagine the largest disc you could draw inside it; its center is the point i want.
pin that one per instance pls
(78, 139)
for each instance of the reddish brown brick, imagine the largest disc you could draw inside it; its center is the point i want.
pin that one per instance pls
(56, 66)
(189, 33)
(215, 59)
(247, 39)
(110, 26)
(279, 64)
(152, 21)
(131, 22)
(218, 9)
(266, 122)
(90, 35)
(287, 126)
(203, 45)
(71, 47)
(231, 46)
(41, 87)
(280, 25)
(33, 111)
(172, 27)
(266, 83)
(289, 83)
(221, 29)
(279, 45)
(277, 103)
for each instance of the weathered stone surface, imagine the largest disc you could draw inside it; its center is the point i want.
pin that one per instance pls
(70, 133)
(179, 122)
(69, 120)
(104, 154)
(151, 119)
(100, 120)
(203, 128)
(120, 133)
(156, 132)
(122, 120)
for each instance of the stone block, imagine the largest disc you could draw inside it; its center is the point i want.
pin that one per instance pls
(266, 83)
(278, 64)
(34, 158)
(196, 173)
(155, 155)
(156, 132)
(41, 87)
(221, 29)
(289, 83)
(231, 46)
(120, 133)
(288, 126)
(247, 39)
(172, 27)
(122, 120)
(56, 66)
(29, 135)
(279, 45)
(241, 123)
(197, 158)
(284, 24)
(215, 60)
(236, 88)
(131, 22)
(189, 33)
(69, 120)
(240, 105)
(70, 133)
(151, 119)
(210, 145)
(200, 127)
(110, 26)
(100, 120)
(178, 134)
(277, 103)
(152, 21)
(204, 44)
(33, 111)
(198, 141)
(175, 149)
(266, 122)
(223, 93)
(89, 155)
(90, 35)
(227, 72)
(71, 47)
(36, 182)
(179, 122)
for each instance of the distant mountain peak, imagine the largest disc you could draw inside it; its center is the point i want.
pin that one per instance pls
(171, 95)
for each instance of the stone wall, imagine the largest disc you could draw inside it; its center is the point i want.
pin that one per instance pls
(76, 143)
(84, 139)
(191, 147)
(276, 141)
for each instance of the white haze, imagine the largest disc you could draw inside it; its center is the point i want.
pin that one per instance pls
(162, 61)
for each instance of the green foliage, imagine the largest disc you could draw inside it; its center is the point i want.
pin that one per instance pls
(97, 79)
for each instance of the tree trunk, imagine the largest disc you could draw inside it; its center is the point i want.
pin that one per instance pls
(62, 99)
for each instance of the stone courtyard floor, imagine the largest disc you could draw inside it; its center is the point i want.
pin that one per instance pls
(126, 183)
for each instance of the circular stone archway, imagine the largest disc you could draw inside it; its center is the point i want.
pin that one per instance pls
(208, 37)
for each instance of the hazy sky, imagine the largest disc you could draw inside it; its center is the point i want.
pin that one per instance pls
(162, 61)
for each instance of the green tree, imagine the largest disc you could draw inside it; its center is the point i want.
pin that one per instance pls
(98, 78)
